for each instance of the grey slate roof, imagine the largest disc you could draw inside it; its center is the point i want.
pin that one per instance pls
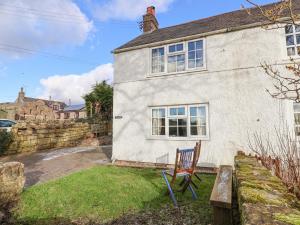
(224, 21)
(74, 107)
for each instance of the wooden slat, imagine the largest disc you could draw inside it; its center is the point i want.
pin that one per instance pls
(221, 195)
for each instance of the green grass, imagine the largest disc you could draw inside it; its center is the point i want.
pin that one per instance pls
(105, 193)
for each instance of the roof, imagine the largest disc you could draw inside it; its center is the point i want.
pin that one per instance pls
(74, 107)
(227, 21)
(48, 102)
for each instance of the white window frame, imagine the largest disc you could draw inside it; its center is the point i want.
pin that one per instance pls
(166, 118)
(151, 61)
(187, 115)
(185, 51)
(295, 125)
(294, 34)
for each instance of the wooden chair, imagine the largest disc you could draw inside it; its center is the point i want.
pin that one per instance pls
(185, 165)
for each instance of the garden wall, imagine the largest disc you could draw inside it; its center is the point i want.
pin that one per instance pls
(11, 185)
(262, 197)
(35, 136)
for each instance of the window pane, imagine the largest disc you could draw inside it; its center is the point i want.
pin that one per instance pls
(173, 111)
(203, 131)
(193, 111)
(199, 63)
(155, 113)
(201, 111)
(162, 131)
(162, 122)
(181, 111)
(158, 60)
(179, 47)
(182, 122)
(172, 48)
(290, 40)
(191, 46)
(199, 45)
(154, 122)
(182, 131)
(173, 131)
(298, 50)
(288, 29)
(199, 54)
(298, 39)
(297, 28)
(172, 122)
(291, 51)
(297, 118)
(192, 63)
(181, 66)
(155, 131)
(162, 112)
(192, 54)
(194, 131)
(296, 107)
(297, 130)
(195, 121)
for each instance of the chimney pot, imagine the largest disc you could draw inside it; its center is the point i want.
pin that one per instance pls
(150, 23)
(151, 10)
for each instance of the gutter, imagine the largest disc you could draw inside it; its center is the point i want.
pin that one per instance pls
(196, 36)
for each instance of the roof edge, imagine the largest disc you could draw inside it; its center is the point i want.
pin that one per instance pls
(195, 36)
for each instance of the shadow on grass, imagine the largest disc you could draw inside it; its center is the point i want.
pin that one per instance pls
(158, 210)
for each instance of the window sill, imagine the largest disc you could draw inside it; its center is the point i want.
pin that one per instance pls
(154, 138)
(149, 76)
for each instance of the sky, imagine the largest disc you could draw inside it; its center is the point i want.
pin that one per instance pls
(61, 48)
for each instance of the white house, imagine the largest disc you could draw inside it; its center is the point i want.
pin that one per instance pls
(200, 80)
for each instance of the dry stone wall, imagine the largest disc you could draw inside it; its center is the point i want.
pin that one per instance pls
(36, 136)
(262, 197)
(11, 185)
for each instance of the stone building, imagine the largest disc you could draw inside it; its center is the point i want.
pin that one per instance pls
(26, 108)
(73, 112)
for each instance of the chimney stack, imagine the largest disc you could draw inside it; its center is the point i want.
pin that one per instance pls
(150, 22)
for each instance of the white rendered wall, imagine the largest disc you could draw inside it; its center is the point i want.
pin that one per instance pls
(233, 85)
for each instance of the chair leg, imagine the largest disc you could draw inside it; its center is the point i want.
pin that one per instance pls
(197, 177)
(195, 185)
(193, 192)
(170, 189)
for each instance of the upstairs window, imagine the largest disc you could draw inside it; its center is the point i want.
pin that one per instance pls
(195, 54)
(293, 39)
(178, 57)
(158, 60)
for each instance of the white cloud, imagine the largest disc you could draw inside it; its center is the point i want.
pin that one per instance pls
(128, 9)
(36, 24)
(73, 86)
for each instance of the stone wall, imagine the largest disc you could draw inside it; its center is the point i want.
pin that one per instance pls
(11, 185)
(262, 198)
(35, 136)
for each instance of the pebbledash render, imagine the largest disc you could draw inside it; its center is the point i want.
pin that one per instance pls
(200, 80)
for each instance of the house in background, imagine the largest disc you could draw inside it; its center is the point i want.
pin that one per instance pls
(200, 80)
(26, 108)
(73, 112)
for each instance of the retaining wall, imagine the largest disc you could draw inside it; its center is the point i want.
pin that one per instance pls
(262, 197)
(36, 136)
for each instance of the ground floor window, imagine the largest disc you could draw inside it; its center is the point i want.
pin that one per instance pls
(297, 118)
(180, 121)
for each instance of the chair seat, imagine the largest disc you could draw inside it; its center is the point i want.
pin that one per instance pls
(179, 173)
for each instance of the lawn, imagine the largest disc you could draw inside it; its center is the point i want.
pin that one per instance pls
(112, 195)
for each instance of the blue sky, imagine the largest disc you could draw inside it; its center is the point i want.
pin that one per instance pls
(60, 48)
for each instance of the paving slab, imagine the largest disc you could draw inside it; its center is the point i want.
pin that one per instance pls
(47, 165)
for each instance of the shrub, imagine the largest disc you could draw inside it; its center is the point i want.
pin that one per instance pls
(5, 139)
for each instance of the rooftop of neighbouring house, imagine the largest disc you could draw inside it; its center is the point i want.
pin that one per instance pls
(227, 21)
(74, 107)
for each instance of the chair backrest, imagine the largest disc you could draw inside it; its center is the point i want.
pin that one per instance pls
(187, 159)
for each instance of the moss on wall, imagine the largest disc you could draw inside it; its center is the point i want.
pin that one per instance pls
(262, 197)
